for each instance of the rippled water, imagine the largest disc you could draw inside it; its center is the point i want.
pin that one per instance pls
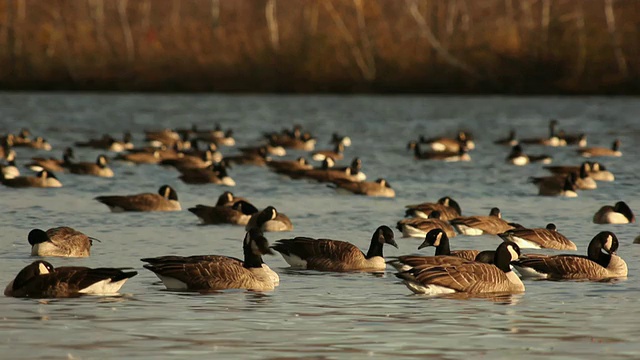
(312, 314)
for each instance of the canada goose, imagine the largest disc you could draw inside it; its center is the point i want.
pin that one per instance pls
(227, 198)
(287, 167)
(41, 280)
(305, 142)
(189, 161)
(337, 153)
(269, 219)
(43, 179)
(218, 137)
(10, 170)
(237, 214)
(270, 150)
(511, 140)
(217, 272)
(419, 227)
(60, 241)
(579, 139)
(452, 145)
(597, 265)
(443, 254)
(471, 277)
(99, 168)
(260, 158)
(106, 142)
(556, 186)
(378, 188)
(37, 143)
(518, 157)
(316, 173)
(478, 225)
(447, 156)
(595, 170)
(52, 164)
(446, 206)
(335, 255)
(162, 137)
(620, 213)
(140, 157)
(547, 238)
(165, 200)
(600, 151)
(552, 140)
(339, 139)
(213, 174)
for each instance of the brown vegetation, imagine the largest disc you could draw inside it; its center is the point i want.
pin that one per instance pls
(454, 46)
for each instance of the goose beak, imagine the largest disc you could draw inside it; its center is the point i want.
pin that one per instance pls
(393, 243)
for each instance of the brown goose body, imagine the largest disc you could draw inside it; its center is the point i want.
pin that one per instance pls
(41, 280)
(335, 255)
(237, 214)
(60, 241)
(378, 188)
(619, 213)
(289, 166)
(601, 151)
(213, 174)
(99, 168)
(600, 263)
(140, 157)
(539, 238)
(165, 200)
(447, 207)
(336, 154)
(43, 179)
(206, 273)
(52, 164)
(419, 227)
(478, 225)
(556, 185)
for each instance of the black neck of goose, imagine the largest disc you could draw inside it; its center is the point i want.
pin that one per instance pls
(595, 253)
(443, 248)
(416, 150)
(375, 249)
(502, 259)
(251, 260)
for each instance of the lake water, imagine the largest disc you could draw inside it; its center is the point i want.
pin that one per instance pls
(311, 314)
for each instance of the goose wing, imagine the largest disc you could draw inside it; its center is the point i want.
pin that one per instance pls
(140, 202)
(222, 273)
(68, 238)
(564, 266)
(544, 238)
(320, 253)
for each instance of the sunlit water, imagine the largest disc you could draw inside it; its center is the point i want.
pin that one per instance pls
(312, 314)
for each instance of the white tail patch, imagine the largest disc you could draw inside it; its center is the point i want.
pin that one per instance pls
(410, 231)
(36, 168)
(616, 218)
(172, 283)
(318, 157)
(530, 273)
(466, 230)
(228, 181)
(104, 287)
(428, 289)
(520, 160)
(437, 146)
(272, 275)
(116, 209)
(295, 261)
(524, 243)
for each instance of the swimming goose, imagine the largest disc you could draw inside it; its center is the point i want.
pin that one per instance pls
(478, 225)
(52, 164)
(287, 167)
(43, 179)
(419, 227)
(166, 137)
(444, 144)
(206, 273)
(60, 241)
(337, 153)
(99, 168)
(600, 173)
(213, 174)
(519, 158)
(583, 181)
(270, 150)
(447, 156)
(165, 200)
(41, 280)
(293, 140)
(378, 188)
(190, 161)
(552, 140)
(600, 151)
(595, 170)
(237, 214)
(355, 170)
(443, 254)
(140, 157)
(620, 213)
(260, 158)
(107, 142)
(269, 219)
(600, 263)
(579, 139)
(335, 255)
(446, 206)
(37, 143)
(218, 137)
(547, 238)
(339, 139)
(556, 186)
(471, 277)
(509, 141)
(227, 198)
(10, 170)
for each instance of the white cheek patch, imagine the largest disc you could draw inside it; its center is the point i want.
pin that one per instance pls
(42, 269)
(438, 238)
(513, 253)
(609, 243)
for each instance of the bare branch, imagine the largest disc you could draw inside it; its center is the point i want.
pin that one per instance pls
(426, 33)
(126, 29)
(272, 23)
(611, 26)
